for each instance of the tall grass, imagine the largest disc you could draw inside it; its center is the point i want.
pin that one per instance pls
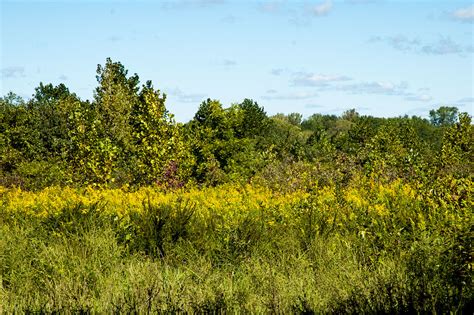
(383, 252)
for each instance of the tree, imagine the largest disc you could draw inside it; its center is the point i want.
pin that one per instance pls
(294, 119)
(51, 107)
(16, 141)
(254, 121)
(114, 98)
(159, 153)
(210, 114)
(457, 153)
(102, 134)
(286, 138)
(319, 122)
(209, 134)
(444, 116)
(350, 115)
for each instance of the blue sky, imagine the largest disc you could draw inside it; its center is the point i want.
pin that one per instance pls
(384, 58)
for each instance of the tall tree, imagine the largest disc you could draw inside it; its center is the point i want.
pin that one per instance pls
(102, 133)
(115, 97)
(443, 116)
(254, 120)
(159, 153)
(51, 107)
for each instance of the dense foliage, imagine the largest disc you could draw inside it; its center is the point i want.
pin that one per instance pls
(110, 205)
(126, 136)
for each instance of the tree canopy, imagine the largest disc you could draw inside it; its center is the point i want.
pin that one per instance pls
(126, 136)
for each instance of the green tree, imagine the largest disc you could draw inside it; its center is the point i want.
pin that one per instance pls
(102, 133)
(457, 153)
(254, 120)
(114, 98)
(51, 108)
(351, 115)
(209, 134)
(286, 138)
(15, 137)
(319, 122)
(444, 116)
(109, 130)
(159, 154)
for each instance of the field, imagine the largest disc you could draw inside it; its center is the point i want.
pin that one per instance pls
(385, 247)
(111, 206)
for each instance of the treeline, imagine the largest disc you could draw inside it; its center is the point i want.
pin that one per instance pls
(126, 136)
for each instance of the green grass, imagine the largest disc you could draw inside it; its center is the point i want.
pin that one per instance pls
(85, 261)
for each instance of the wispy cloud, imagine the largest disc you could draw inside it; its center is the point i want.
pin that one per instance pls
(290, 96)
(277, 71)
(421, 110)
(321, 9)
(229, 19)
(466, 100)
(229, 62)
(398, 42)
(299, 13)
(419, 98)
(63, 77)
(313, 106)
(464, 14)
(376, 87)
(443, 46)
(387, 88)
(270, 6)
(190, 4)
(114, 38)
(312, 79)
(338, 82)
(361, 1)
(183, 97)
(12, 72)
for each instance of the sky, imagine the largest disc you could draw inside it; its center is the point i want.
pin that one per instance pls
(383, 58)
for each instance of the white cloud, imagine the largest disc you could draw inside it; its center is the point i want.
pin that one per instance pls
(12, 72)
(313, 106)
(190, 4)
(114, 38)
(321, 9)
(311, 79)
(228, 62)
(319, 82)
(377, 87)
(299, 13)
(400, 42)
(361, 1)
(419, 98)
(270, 6)
(291, 96)
(466, 100)
(464, 14)
(182, 97)
(229, 19)
(443, 46)
(278, 71)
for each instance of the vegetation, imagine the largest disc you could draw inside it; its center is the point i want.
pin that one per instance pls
(110, 205)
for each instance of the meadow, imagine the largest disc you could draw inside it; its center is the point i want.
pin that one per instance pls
(110, 206)
(369, 247)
